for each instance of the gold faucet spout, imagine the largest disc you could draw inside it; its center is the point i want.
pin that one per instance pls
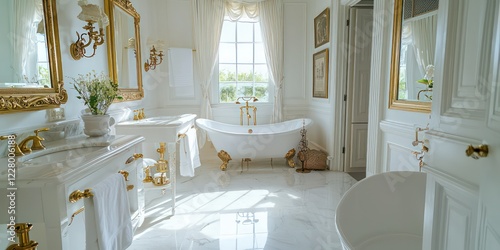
(36, 141)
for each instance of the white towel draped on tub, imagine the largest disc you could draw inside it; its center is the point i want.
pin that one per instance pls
(189, 153)
(111, 215)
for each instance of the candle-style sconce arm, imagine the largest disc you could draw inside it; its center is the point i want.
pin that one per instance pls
(155, 59)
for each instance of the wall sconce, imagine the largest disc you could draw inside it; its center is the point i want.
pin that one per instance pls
(91, 14)
(155, 56)
(131, 45)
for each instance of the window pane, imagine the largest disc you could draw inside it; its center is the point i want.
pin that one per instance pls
(228, 32)
(261, 73)
(262, 92)
(245, 89)
(245, 32)
(260, 56)
(258, 33)
(245, 73)
(227, 92)
(245, 53)
(227, 72)
(227, 53)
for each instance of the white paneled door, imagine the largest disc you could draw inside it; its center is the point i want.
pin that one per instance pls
(463, 192)
(358, 84)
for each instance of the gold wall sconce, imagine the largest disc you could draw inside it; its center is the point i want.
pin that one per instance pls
(155, 55)
(91, 14)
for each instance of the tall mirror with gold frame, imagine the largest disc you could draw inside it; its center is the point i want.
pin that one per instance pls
(31, 75)
(124, 53)
(413, 50)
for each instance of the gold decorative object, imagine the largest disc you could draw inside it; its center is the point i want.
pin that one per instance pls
(23, 235)
(289, 157)
(147, 175)
(77, 195)
(161, 167)
(302, 155)
(247, 108)
(225, 157)
(139, 114)
(91, 14)
(133, 158)
(477, 151)
(155, 59)
(28, 99)
(123, 10)
(37, 141)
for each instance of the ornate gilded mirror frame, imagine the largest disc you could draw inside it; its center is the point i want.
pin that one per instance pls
(394, 102)
(29, 99)
(128, 94)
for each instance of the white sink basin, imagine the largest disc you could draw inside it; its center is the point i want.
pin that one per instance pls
(56, 155)
(157, 129)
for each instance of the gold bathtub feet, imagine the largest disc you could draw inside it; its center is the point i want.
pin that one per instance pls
(289, 157)
(225, 158)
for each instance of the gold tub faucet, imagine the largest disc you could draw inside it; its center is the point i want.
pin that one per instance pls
(36, 139)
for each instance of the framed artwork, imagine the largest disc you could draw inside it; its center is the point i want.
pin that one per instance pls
(320, 74)
(322, 28)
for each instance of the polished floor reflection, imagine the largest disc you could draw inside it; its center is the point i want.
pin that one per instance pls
(265, 206)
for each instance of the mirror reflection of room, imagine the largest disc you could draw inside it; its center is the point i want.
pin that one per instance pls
(125, 42)
(25, 62)
(418, 43)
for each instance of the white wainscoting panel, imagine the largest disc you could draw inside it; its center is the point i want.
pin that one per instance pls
(450, 212)
(400, 158)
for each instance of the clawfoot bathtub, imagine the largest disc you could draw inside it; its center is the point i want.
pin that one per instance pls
(254, 142)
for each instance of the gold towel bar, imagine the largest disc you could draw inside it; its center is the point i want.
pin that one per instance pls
(180, 136)
(87, 193)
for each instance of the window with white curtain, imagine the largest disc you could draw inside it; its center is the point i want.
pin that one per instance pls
(242, 63)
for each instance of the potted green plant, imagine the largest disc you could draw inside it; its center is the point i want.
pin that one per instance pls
(98, 93)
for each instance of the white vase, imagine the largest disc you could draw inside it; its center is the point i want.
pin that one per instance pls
(97, 125)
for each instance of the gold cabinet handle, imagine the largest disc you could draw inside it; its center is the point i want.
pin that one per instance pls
(133, 158)
(77, 195)
(477, 151)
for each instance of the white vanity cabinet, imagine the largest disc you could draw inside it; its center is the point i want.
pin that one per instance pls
(42, 195)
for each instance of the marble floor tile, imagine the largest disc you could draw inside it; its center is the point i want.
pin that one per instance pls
(263, 206)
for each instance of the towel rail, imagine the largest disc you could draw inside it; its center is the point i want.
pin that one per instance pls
(87, 193)
(180, 136)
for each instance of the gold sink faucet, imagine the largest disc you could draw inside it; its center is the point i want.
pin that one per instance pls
(36, 139)
(139, 114)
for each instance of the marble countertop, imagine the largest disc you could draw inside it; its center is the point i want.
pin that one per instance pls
(67, 158)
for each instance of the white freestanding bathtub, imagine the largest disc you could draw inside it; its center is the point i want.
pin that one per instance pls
(254, 141)
(383, 212)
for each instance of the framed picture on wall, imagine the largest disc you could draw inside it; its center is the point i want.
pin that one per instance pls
(320, 74)
(322, 28)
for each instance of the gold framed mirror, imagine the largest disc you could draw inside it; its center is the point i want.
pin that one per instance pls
(124, 53)
(413, 50)
(31, 75)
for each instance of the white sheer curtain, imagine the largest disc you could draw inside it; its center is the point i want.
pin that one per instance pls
(271, 23)
(208, 18)
(23, 38)
(424, 40)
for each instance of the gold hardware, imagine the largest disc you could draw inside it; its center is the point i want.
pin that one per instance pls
(180, 136)
(133, 158)
(225, 157)
(250, 131)
(136, 117)
(124, 173)
(478, 151)
(424, 90)
(147, 175)
(247, 108)
(139, 114)
(154, 60)
(77, 49)
(161, 180)
(75, 214)
(23, 234)
(77, 195)
(161, 167)
(289, 157)
(130, 187)
(36, 141)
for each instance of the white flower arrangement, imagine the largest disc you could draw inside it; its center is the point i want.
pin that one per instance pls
(97, 91)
